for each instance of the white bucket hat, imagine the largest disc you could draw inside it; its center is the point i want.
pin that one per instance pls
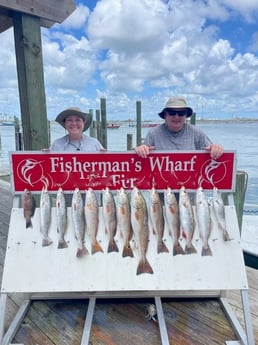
(87, 118)
(176, 103)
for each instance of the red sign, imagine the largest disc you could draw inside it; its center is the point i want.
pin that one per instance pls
(35, 170)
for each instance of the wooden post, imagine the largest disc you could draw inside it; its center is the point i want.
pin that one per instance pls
(92, 126)
(103, 112)
(138, 123)
(129, 142)
(193, 119)
(98, 124)
(31, 81)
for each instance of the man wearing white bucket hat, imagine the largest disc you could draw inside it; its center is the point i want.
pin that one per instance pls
(75, 123)
(176, 134)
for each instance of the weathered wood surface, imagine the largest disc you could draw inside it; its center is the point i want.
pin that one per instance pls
(120, 321)
(56, 11)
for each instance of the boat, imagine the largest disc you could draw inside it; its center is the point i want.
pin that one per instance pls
(149, 125)
(7, 123)
(113, 126)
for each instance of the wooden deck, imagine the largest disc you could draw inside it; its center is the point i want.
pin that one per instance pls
(194, 321)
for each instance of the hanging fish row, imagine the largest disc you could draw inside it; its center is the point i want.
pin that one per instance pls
(131, 217)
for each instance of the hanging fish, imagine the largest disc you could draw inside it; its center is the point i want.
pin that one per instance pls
(219, 210)
(45, 216)
(204, 220)
(110, 219)
(186, 220)
(79, 222)
(29, 206)
(157, 219)
(172, 219)
(124, 221)
(91, 212)
(139, 220)
(61, 218)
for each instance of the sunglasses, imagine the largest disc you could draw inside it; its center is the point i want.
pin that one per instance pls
(173, 112)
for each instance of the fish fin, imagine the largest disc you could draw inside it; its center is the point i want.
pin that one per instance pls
(46, 242)
(62, 244)
(177, 249)
(190, 249)
(206, 251)
(95, 248)
(144, 267)
(127, 251)
(82, 251)
(162, 248)
(112, 246)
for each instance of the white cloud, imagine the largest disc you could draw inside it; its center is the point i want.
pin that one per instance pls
(148, 50)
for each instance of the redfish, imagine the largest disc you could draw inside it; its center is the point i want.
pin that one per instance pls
(186, 220)
(172, 219)
(29, 206)
(79, 222)
(91, 212)
(61, 218)
(204, 220)
(124, 221)
(139, 220)
(110, 219)
(45, 216)
(157, 219)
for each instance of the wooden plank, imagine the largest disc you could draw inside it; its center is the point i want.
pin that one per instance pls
(53, 10)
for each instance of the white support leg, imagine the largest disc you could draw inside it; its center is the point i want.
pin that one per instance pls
(247, 315)
(3, 300)
(88, 321)
(162, 323)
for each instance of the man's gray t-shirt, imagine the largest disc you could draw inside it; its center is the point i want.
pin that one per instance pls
(188, 138)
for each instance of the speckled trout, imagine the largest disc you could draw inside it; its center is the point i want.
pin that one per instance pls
(186, 220)
(139, 220)
(45, 216)
(110, 220)
(79, 222)
(61, 218)
(219, 211)
(203, 220)
(91, 212)
(124, 221)
(172, 219)
(157, 219)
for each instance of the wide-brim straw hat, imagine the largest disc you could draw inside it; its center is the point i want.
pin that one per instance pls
(74, 111)
(176, 103)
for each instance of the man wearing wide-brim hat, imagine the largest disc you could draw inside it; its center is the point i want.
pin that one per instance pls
(75, 123)
(176, 134)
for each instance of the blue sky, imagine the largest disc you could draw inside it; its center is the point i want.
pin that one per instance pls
(146, 50)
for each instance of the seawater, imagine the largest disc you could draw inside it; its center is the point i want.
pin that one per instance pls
(241, 137)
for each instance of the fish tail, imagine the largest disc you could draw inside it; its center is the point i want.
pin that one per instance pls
(46, 242)
(112, 246)
(177, 249)
(127, 251)
(28, 223)
(190, 249)
(62, 244)
(95, 248)
(82, 251)
(162, 248)
(226, 236)
(206, 251)
(144, 267)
